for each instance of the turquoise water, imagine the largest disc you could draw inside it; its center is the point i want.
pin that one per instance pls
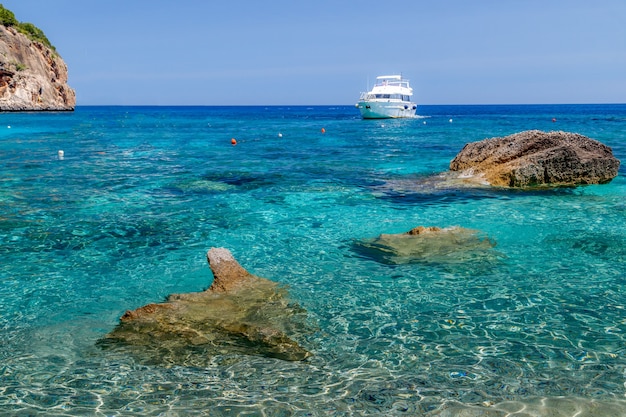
(126, 216)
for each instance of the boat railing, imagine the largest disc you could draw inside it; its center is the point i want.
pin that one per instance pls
(389, 97)
(393, 83)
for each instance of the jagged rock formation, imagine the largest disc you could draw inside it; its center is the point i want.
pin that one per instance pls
(535, 158)
(428, 245)
(32, 76)
(239, 313)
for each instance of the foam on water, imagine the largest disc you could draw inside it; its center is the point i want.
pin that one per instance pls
(126, 217)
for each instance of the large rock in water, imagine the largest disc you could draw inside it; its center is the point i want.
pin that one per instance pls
(535, 158)
(33, 77)
(431, 245)
(239, 313)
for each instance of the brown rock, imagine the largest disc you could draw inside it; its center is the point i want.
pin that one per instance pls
(240, 313)
(421, 230)
(228, 274)
(535, 158)
(428, 245)
(32, 76)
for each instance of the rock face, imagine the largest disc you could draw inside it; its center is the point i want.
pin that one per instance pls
(239, 313)
(535, 158)
(32, 76)
(428, 245)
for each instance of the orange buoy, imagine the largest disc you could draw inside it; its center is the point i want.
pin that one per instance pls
(233, 141)
(323, 130)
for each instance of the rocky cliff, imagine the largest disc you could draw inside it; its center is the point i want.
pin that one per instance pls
(32, 76)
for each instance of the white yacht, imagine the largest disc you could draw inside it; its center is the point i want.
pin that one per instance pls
(389, 98)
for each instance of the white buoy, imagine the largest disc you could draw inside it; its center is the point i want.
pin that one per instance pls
(424, 122)
(450, 120)
(280, 135)
(61, 154)
(8, 127)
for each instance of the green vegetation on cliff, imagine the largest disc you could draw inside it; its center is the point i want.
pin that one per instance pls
(7, 18)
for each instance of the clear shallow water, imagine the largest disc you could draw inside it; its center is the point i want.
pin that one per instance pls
(126, 217)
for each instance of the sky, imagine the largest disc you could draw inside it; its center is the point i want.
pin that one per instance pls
(325, 52)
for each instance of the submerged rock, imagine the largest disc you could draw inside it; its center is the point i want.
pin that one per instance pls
(428, 245)
(535, 158)
(239, 313)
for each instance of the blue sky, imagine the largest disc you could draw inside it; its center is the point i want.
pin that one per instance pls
(214, 52)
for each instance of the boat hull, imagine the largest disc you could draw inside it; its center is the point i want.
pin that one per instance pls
(386, 109)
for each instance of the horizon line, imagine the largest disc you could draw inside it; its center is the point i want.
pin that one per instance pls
(348, 105)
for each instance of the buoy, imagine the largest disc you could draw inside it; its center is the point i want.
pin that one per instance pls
(323, 130)
(450, 120)
(8, 127)
(233, 141)
(424, 122)
(553, 120)
(280, 135)
(61, 154)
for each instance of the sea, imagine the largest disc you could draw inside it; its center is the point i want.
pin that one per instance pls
(109, 208)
